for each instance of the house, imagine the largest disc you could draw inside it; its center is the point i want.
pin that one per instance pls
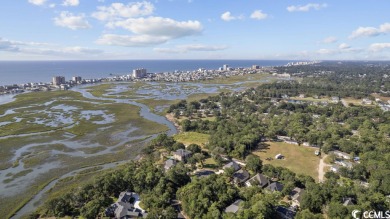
(258, 179)
(233, 208)
(342, 155)
(291, 142)
(348, 201)
(335, 168)
(285, 213)
(335, 99)
(275, 186)
(240, 176)
(366, 101)
(346, 164)
(169, 164)
(233, 165)
(126, 207)
(296, 196)
(181, 154)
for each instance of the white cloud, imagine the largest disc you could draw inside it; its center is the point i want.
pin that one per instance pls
(191, 47)
(36, 48)
(131, 41)
(325, 51)
(120, 10)
(6, 45)
(158, 26)
(344, 46)
(74, 22)
(37, 2)
(305, 8)
(370, 31)
(71, 3)
(376, 47)
(227, 16)
(330, 39)
(259, 15)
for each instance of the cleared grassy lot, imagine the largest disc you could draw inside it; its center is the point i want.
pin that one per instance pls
(299, 159)
(188, 138)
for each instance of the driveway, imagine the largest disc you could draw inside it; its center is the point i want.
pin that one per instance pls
(321, 167)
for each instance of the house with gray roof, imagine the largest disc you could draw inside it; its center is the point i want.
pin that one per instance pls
(233, 208)
(233, 165)
(341, 154)
(275, 186)
(240, 177)
(296, 196)
(169, 164)
(126, 207)
(182, 154)
(348, 201)
(259, 180)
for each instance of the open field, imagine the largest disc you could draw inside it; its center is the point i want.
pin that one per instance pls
(381, 97)
(188, 138)
(311, 99)
(299, 159)
(210, 163)
(350, 100)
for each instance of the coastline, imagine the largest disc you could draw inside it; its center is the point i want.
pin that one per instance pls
(170, 118)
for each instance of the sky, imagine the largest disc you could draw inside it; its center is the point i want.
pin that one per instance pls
(195, 29)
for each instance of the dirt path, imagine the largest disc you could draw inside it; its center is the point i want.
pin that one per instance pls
(321, 167)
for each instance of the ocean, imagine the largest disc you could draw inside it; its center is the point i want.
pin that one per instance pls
(20, 72)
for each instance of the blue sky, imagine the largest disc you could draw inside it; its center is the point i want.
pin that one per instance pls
(194, 29)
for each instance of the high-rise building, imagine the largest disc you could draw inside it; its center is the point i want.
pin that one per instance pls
(58, 80)
(225, 67)
(255, 67)
(76, 79)
(139, 73)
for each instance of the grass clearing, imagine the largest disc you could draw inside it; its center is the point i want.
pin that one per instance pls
(210, 163)
(312, 99)
(188, 138)
(350, 100)
(299, 159)
(385, 99)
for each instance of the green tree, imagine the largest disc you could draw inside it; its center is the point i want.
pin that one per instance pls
(253, 163)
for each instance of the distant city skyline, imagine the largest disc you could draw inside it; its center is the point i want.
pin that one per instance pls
(194, 29)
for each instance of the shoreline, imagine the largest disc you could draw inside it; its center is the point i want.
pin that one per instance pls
(171, 119)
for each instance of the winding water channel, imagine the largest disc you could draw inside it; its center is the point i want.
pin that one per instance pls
(18, 154)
